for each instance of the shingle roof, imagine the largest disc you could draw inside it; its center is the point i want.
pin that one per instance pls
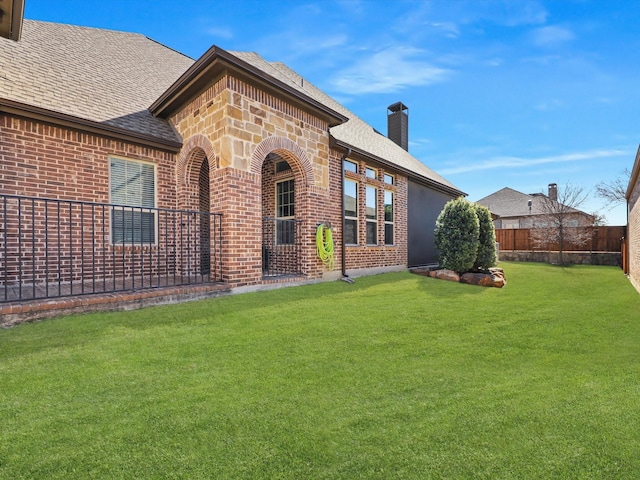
(355, 132)
(105, 76)
(511, 203)
(113, 77)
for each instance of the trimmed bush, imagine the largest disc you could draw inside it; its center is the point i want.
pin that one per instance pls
(457, 235)
(487, 256)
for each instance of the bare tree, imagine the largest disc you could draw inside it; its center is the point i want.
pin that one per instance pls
(615, 191)
(559, 221)
(599, 219)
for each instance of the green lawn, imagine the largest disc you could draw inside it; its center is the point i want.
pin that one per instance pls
(395, 376)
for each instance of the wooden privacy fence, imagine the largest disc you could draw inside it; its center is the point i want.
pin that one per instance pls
(602, 239)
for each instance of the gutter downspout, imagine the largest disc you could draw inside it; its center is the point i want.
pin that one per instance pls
(343, 255)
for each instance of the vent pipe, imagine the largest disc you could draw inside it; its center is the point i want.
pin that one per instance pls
(398, 124)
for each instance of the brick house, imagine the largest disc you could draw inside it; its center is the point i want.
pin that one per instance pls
(127, 165)
(633, 227)
(514, 209)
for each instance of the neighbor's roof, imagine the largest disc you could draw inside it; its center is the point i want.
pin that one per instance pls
(355, 133)
(511, 203)
(104, 76)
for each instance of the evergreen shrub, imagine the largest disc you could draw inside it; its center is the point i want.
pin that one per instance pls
(457, 235)
(487, 256)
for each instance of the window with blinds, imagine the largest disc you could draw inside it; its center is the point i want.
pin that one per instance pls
(133, 192)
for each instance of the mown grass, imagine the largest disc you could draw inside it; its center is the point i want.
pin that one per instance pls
(396, 376)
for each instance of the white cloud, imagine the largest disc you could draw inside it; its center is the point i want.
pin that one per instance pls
(520, 162)
(551, 36)
(388, 71)
(524, 13)
(449, 29)
(220, 32)
(550, 105)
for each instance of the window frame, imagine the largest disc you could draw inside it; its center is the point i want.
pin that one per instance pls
(371, 219)
(351, 218)
(371, 170)
(290, 240)
(389, 223)
(389, 179)
(124, 207)
(346, 163)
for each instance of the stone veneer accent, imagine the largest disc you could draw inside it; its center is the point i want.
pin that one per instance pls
(240, 125)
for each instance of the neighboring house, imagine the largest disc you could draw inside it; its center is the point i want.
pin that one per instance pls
(513, 209)
(127, 165)
(633, 227)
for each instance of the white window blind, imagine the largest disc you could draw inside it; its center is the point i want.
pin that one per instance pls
(132, 189)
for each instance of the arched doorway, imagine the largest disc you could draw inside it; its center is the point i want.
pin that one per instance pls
(204, 205)
(281, 225)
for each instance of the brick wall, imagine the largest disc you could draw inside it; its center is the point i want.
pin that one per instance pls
(233, 126)
(242, 126)
(68, 240)
(40, 160)
(380, 255)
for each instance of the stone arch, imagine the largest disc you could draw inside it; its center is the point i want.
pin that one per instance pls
(288, 150)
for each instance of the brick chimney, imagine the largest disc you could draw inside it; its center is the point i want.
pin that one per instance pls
(398, 124)
(553, 192)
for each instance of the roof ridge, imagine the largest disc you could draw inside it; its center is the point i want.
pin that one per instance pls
(84, 27)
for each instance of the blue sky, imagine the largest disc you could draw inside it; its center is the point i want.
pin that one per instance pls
(517, 93)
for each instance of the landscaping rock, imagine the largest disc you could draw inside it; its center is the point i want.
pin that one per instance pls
(484, 279)
(449, 275)
(424, 271)
(494, 277)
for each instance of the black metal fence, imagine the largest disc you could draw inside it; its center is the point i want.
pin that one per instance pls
(55, 248)
(281, 247)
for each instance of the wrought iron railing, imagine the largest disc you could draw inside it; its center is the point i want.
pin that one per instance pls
(281, 247)
(55, 248)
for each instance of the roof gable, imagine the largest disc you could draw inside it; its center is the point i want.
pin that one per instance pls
(508, 202)
(355, 133)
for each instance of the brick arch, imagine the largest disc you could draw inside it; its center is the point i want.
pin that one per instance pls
(288, 150)
(193, 153)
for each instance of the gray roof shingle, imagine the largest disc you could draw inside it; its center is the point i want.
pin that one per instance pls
(511, 203)
(105, 76)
